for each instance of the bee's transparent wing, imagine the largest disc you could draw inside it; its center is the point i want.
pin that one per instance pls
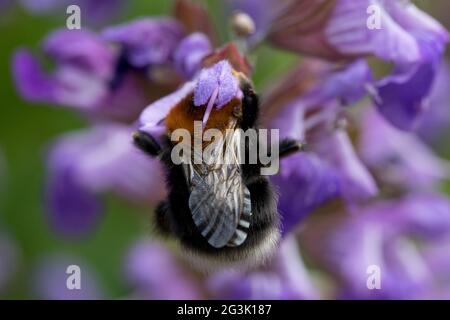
(220, 202)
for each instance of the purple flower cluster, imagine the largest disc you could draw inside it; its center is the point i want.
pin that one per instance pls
(366, 191)
(340, 31)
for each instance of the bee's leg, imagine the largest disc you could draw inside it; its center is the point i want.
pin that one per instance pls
(146, 143)
(161, 217)
(290, 146)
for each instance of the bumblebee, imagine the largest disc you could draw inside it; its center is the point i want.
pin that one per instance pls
(222, 214)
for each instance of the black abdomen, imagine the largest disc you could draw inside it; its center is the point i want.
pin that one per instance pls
(263, 219)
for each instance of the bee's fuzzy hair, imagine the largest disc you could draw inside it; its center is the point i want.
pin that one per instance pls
(243, 260)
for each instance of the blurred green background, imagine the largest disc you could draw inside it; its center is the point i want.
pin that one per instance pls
(25, 132)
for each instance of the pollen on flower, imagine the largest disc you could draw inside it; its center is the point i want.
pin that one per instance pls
(218, 78)
(216, 87)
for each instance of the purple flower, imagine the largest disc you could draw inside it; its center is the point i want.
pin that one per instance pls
(318, 85)
(216, 87)
(304, 183)
(49, 279)
(394, 31)
(73, 210)
(402, 96)
(332, 171)
(393, 39)
(349, 28)
(406, 36)
(438, 259)
(190, 52)
(88, 76)
(355, 181)
(382, 235)
(284, 278)
(310, 110)
(218, 78)
(83, 165)
(396, 157)
(147, 41)
(420, 215)
(155, 273)
(436, 122)
(84, 65)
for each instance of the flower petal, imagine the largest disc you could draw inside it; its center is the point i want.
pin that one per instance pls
(355, 181)
(144, 265)
(402, 96)
(219, 76)
(147, 41)
(304, 183)
(397, 157)
(190, 52)
(30, 79)
(80, 48)
(318, 85)
(435, 123)
(84, 165)
(348, 32)
(152, 116)
(68, 85)
(283, 278)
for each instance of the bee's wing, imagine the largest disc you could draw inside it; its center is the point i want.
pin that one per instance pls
(219, 201)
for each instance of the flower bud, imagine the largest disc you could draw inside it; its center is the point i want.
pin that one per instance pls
(242, 24)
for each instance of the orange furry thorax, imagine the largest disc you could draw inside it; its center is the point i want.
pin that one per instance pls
(185, 113)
